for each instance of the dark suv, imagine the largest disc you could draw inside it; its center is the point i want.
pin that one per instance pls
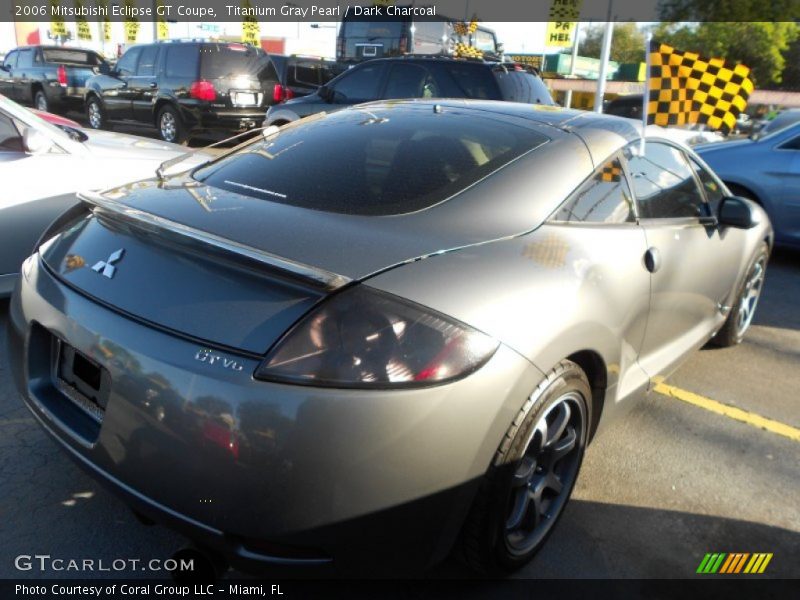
(417, 77)
(188, 87)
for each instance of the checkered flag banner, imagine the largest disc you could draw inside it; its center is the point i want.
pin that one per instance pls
(685, 89)
(565, 10)
(610, 173)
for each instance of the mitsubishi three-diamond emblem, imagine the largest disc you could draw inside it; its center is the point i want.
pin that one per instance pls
(106, 267)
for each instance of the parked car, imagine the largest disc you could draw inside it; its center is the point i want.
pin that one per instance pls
(397, 332)
(417, 77)
(51, 78)
(783, 119)
(767, 171)
(184, 88)
(42, 165)
(296, 76)
(366, 36)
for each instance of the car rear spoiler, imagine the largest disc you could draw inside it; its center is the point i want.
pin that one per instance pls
(118, 211)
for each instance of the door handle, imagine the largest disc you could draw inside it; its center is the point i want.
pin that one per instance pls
(652, 259)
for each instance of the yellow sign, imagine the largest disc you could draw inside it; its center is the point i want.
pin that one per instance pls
(57, 27)
(251, 32)
(531, 60)
(563, 17)
(82, 25)
(162, 31)
(131, 24)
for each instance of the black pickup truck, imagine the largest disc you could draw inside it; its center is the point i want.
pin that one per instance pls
(51, 78)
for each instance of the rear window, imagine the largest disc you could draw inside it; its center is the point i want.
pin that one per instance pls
(474, 81)
(309, 73)
(385, 162)
(71, 57)
(373, 29)
(229, 60)
(520, 86)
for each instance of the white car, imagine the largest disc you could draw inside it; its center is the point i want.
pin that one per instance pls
(42, 166)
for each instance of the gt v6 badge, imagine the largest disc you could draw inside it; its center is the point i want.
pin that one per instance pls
(106, 267)
(210, 358)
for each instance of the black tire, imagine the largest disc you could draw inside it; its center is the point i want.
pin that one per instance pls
(170, 125)
(489, 543)
(744, 305)
(40, 101)
(96, 113)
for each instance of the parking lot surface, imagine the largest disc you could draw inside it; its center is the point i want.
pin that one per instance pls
(658, 490)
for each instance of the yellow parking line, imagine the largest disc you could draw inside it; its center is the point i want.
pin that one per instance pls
(729, 411)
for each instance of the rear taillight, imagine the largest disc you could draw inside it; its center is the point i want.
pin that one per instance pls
(281, 93)
(403, 45)
(62, 76)
(203, 90)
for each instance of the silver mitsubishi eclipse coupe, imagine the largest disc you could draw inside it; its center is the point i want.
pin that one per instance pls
(376, 336)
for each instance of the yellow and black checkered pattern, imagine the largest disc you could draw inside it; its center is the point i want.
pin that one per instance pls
(466, 51)
(565, 10)
(611, 172)
(464, 28)
(686, 89)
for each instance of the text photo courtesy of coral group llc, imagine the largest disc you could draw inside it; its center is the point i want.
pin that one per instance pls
(399, 298)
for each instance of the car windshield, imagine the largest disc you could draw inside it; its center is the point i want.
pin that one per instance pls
(373, 162)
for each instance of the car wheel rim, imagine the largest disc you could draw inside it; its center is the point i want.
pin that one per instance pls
(41, 103)
(95, 118)
(168, 126)
(750, 296)
(545, 474)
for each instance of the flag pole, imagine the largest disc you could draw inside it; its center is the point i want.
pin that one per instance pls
(646, 93)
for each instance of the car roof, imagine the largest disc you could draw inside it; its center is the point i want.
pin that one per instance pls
(602, 133)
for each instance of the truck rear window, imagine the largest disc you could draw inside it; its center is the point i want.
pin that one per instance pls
(71, 57)
(373, 161)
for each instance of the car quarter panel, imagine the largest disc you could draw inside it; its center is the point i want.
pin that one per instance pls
(559, 290)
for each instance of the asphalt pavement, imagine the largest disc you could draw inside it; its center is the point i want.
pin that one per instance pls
(658, 489)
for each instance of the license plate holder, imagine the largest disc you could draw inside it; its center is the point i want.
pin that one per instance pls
(82, 380)
(245, 98)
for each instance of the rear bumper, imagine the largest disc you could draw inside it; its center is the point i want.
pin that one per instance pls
(269, 475)
(205, 119)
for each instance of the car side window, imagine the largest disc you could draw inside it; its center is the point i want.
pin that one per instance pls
(663, 183)
(25, 59)
(713, 189)
(127, 64)
(10, 138)
(359, 85)
(792, 144)
(603, 198)
(182, 61)
(10, 60)
(147, 61)
(410, 81)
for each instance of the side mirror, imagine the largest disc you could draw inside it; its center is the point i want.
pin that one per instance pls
(105, 69)
(325, 93)
(737, 212)
(35, 142)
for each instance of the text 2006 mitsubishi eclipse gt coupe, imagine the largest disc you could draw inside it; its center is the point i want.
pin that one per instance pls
(381, 333)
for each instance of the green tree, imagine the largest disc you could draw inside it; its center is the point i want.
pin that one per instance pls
(627, 43)
(762, 46)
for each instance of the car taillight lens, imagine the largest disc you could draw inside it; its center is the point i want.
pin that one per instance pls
(281, 93)
(364, 338)
(62, 75)
(203, 90)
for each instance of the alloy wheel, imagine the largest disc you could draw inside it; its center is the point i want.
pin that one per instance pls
(95, 116)
(169, 128)
(546, 473)
(750, 295)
